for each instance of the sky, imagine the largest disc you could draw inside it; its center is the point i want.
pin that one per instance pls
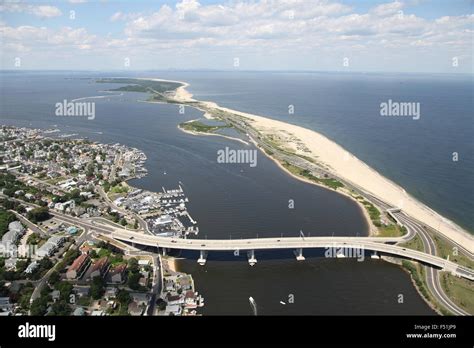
(432, 36)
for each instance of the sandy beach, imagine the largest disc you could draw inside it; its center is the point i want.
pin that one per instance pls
(169, 263)
(348, 167)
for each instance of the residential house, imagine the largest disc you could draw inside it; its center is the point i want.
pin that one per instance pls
(78, 267)
(117, 274)
(173, 310)
(99, 268)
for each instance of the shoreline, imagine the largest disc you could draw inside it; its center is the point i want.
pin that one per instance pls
(371, 229)
(212, 134)
(345, 165)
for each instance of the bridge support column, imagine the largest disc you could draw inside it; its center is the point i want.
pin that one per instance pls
(299, 254)
(202, 257)
(164, 251)
(251, 257)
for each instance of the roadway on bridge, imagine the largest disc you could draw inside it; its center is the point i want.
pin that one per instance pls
(365, 243)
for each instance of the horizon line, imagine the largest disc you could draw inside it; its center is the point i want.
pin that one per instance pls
(241, 71)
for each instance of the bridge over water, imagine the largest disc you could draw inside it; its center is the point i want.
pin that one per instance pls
(375, 244)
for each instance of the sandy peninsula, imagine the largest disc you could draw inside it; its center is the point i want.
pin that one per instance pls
(345, 165)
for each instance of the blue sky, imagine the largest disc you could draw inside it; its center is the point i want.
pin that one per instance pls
(405, 36)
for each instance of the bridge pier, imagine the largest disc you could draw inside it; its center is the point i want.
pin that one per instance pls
(202, 257)
(251, 257)
(299, 254)
(164, 251)
(375, 255)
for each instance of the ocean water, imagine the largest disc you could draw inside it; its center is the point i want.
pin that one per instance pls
(228, 201)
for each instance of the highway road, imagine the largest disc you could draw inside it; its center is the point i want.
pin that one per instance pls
(432, 274)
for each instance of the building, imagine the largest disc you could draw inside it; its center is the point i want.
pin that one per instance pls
(62, 206)
(117, 274)
(85, 248)
(72, 230)
(99, 268)
(81, 291)
(143, 262)
(78, 267)
(55, 295)
(173, 310)
(11, 237)
(110, 293)
(10, 264)
(16, 227)
(163, 220)
(170, 284)
(78, 312)
(175, 299)
(140, 298)
(190, 299)
(5, 306)
(48, 248)
(31, 267)
(185, 282)
(135, 309)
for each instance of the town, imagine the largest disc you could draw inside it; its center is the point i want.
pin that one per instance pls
(55, 194)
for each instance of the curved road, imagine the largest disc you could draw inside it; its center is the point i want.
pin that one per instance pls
(432, 275)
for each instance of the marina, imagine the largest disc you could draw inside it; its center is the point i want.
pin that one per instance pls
(164, 212)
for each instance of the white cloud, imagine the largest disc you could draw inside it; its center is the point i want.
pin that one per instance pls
(42, 11)
(388, 9)
(120, 16)
(117, 16)
(322, 28)
(45, 11)
(41, 37)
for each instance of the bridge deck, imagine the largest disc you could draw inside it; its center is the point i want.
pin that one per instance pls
(366, 243)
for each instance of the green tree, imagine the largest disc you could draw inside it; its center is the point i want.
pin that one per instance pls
(123, 297)
(133, 279)
(5, 218)
(97, 287)
(60, 308)
(54, 278)
(161, 304)
(38, 214)
(39, 306)
(65, 289)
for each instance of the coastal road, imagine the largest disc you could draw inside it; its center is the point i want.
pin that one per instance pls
(432, 275)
